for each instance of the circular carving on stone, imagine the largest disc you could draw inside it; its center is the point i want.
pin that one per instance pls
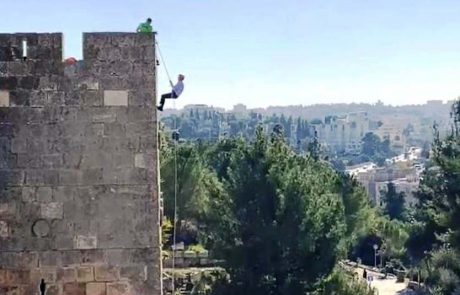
(41, 228)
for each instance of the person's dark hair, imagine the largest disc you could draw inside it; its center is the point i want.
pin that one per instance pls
(149, 20)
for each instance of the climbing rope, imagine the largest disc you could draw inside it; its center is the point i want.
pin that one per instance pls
(162, 59)
(175, 204)
(175, 139)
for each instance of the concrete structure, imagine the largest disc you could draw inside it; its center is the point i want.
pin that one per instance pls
(375, 179)
(79, 167)
(343, 133)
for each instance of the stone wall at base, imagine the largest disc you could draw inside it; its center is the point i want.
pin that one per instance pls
(79, 203)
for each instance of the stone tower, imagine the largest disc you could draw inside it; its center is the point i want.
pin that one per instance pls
(79, 203)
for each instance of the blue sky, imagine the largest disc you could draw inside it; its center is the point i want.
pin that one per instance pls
(267, 52)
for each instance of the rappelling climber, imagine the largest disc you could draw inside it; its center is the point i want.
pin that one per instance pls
(175, 93)
(145, 27)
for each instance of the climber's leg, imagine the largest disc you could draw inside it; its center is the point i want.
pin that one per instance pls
(163, 99)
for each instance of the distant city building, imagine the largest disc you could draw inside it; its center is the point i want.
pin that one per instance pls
(403, 171)
(240, 108)
(203, 107)
(343, 133)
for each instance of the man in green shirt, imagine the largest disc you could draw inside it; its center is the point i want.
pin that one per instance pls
(145, 27)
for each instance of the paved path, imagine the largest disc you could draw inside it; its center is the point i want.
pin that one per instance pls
(386, 286)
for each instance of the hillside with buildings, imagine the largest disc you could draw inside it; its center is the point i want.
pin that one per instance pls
(339, 128)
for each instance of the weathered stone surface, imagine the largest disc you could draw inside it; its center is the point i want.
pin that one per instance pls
(52, 210)
(95, 289)
(4, 229)
(115, 98)
(47, 274)
(118, 289)
(4, 99)
(85, 242)
(78, 167)
(134, 272)
(85, 274)
(41, 228)
(66, 274)
(74, 289)
(144, 161)
(106, 273)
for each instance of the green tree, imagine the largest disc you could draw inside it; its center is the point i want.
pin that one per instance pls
(376, 149)
(280, 222)
(195, 182)
(438, 212)
(394, 203)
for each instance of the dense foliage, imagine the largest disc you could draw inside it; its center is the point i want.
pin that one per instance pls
(279, 220)
(375, 149)
(435, 239)
(394, 203)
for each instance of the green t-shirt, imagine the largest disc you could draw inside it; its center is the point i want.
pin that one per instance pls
(145, 28)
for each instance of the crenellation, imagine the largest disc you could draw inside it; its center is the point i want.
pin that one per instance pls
(78, 168)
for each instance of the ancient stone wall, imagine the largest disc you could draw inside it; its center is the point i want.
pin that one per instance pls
(78, 167)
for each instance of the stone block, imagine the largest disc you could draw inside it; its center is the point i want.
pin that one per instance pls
(48, 274)
(18, 145)
(106, 273)
(4, 230)
(63, 193)
(120, 160)
(95, 130)
(4, 99)
(95, 289)
(52, 160)
(89, 85)
(134, 273)
(118, 289)
(103, 115)
(85, 242)
(41, 177)
(92, 176)
(85, 274)
(74, 289)
(15, 290)
(66, 274)
(7, 210)
(132, 176)
(144, 161)
(92, 98)
(11, 177)
(17, 277)
(116, 98)
(92, 256)
(3, 278)
(20, 98)
(114, 129)
(53, 290)
(49, 258)
(28, 161)
(70, 177)
(52, 210)
(44, 194)
(28, 194)
(18, 260)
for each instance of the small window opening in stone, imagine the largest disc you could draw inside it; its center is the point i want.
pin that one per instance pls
(24, 49)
